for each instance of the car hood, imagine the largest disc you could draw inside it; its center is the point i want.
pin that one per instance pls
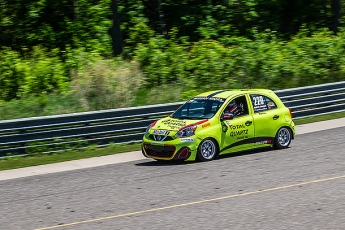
(174, 124)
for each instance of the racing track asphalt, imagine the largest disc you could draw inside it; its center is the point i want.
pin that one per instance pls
(302, 187)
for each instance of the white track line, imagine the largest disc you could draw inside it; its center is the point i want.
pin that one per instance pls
(132, 156)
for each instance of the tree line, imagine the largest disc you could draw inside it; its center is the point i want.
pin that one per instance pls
(100, 24)
(53, 47)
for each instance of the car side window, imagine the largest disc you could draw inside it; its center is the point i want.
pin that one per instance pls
(262, 103)
(237, 107)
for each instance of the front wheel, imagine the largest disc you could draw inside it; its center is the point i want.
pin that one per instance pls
(207, 150)
(283, 138)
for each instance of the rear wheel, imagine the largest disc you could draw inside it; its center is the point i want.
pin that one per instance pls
(207, 150)
(283, 138)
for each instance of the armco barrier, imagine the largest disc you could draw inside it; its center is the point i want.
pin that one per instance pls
(55, 133)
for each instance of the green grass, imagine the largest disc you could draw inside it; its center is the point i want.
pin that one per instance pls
(20, 162)
(319, 118)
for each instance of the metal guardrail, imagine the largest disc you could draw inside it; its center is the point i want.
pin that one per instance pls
(314, 100)
(101, 128)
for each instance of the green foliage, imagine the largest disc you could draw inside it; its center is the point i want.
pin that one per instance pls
(210, 65)
(56, 56)
(56, 24)
(96, 83)
(216, 19)
(162, 59)
(263, 62)
(165, 66)
(131, 12)
(11, 74)
(38, 73)
(87, 23)
(140, 34)
(319, 58)
(90, 29)
(44, 73)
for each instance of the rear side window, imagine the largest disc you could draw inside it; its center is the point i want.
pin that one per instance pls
(262, 103)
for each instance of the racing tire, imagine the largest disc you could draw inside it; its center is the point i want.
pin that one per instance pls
(283, 138)
(207, 150)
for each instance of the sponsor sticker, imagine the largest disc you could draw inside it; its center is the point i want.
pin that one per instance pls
(233, 127)
(174, 124)
(224, 128)
(210, 98)
(187, 139)
(160, 132)
(238, 132)
(206, 125)
(271, 104)
(263, 142)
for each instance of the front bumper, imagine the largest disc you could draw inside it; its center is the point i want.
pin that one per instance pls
(169, 150)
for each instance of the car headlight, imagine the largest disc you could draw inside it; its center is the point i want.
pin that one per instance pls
(149, 127)
(186, 132)
(189, 130)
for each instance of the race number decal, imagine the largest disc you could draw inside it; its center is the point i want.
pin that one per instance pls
(259, 103)
(258, 100)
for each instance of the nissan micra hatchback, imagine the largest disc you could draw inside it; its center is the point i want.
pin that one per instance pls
(220, 122)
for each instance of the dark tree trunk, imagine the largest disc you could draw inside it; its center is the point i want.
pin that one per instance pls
(75, 10)
(336, 13)
(161, 18)
(116, 32)
(154, 11)
(333, 17)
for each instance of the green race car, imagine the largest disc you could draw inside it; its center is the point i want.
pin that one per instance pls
(220, 122)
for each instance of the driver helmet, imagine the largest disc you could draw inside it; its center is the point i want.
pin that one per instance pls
(234, 109)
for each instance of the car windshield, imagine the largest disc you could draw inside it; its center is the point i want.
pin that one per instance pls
(199, 108)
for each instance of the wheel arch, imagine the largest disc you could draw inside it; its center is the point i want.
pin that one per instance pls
(216, 144)
(285, 126)
(291, 136)
(213, 137)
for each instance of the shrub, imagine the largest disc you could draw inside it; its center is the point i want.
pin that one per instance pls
(105, 83)
(162, 60)
(242, 63)
(11, 74)
(37, 73)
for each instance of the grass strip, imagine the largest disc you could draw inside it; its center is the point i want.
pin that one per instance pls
(41, 159)
(92, 151)
(319, 118)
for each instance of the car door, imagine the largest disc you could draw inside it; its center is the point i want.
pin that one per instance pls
(267, 117)
(237, 132)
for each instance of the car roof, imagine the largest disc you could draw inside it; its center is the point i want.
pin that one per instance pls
(232, 92)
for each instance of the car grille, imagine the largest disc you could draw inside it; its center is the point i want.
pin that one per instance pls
(168, 138)
(159, 151)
